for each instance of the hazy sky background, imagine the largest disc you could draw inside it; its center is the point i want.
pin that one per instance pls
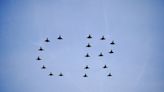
(137, 27)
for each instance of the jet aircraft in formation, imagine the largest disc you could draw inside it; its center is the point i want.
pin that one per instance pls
(101, 54)
(85, 75)
(43, 67)
(38, 58)
(112, 43)
(59, 38)
(89, 37)
(61, 74)
(88, 45)
(47, 40)
(109, 74)
(51, 74)
(86, 67)
(105, 66)
(87, 55)
(102, 38)
(111, 52)
(41, 49)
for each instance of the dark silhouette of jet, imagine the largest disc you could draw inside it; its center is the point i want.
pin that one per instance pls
(101, 54)
(111, 52)
(50, 74)
(60, 38)
(112, 43)
(85, 75)
(41, 49)
(88, 45)
(47, 40)
(89, 37)
(43, 67)
(87, 55)
(102, 38)
(38, 58)
(105, 66)
(86, 67)
(61, 74)
(109, 75)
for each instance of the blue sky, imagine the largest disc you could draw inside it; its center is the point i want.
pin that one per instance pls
(135, 25)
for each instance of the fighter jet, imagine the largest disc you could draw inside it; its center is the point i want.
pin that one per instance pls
(101, 54)
(105, 66)
(59, 38)
(87, 55)
(38, 58)
(43, 67)
(112, 43)
(111, 52)
(89, 37)
(47, 40)
(85, 75)
(109, 75)
(61, 74)
(50, 74)
(86, 67)
(41, 49)
(102, 38)
(88, 45)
